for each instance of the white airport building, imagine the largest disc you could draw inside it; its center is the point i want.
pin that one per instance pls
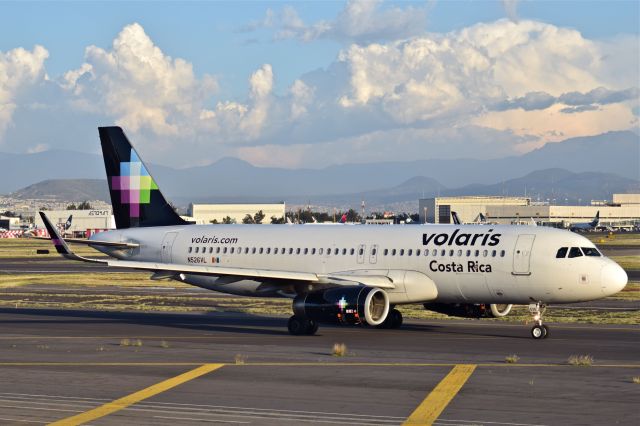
(204, 214)
(622, 212)
(83, 223)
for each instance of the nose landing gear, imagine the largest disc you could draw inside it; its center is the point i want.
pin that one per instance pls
(539, 330)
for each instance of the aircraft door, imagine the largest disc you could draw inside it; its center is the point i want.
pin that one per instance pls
(361, 249)
(522, 255)
(167, 244)
(373, 255)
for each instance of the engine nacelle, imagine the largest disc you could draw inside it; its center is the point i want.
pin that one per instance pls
(344, 305)
(468, 310)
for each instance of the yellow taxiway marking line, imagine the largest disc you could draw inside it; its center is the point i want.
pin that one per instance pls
(294, 364)
(124, 402)
(429, 410)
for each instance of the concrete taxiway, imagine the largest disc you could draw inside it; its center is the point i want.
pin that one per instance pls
(242, 369)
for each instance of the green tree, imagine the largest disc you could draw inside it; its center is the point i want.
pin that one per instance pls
(214, 221)
(258, 217)
(353, 216)
(277, 220)
(228, 220)
(72, 206)
(84, 206)
(247, 219)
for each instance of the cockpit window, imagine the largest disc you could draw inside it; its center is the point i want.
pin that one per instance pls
(562, 252)
(575, 252)
(591, 251)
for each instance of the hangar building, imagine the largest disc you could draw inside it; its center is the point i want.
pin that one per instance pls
(207, 213)
(84, 222)
(622, 212)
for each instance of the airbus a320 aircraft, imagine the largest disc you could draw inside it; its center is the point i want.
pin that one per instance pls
(353, 275)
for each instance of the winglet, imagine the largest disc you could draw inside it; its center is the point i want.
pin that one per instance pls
(60, 244)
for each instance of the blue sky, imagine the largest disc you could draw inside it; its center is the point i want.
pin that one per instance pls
(276, 80)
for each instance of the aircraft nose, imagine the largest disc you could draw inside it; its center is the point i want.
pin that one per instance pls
(614, 279)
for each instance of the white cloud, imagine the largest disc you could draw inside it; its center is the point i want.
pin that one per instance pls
(487, 90)
(140, 86)
(361, 21)
(20, 70)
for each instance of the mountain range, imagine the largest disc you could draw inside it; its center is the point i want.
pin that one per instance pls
(560, 185)
(586, 167)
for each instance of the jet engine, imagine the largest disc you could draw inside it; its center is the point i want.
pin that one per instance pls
(348, 305)
(468, 310)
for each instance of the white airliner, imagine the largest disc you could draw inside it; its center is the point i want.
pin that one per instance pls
(350, 275)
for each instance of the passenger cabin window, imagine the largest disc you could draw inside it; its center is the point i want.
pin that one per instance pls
(231, 250)
(336, 251)
(313, 251)
(275, 250)
(386, 252)
(373, 251)
(190, 249)
(468, 253)
(562, 252)
(410, 252)
(401, 252)
(353, 251)
(591, 251)
(393, 252)
(344, 251)
(575, 252)
(418, 252)
(268, 250)
(306, 250)
(210, 250)
(502, 253)
(459, 253)
(197, 249)
(426, 252)
(320, 250)
(224, 250)
(261, 250)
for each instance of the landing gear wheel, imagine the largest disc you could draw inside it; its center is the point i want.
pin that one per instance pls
(396, 318)
(312, 327)
(546, 331)
(299, 326)
(538, 332)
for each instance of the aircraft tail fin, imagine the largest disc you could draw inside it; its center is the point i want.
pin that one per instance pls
(456, 219)
(596, 220)
(135, 197)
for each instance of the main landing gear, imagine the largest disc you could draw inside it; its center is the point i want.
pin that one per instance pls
(299, 326)
(539, 330)
(393, 320)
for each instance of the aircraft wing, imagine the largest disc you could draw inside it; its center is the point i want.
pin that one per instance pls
(380, 281)
(93, 242)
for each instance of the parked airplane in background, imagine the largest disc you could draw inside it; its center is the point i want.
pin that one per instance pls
(350, 275)
(67, 224)
(586, 226)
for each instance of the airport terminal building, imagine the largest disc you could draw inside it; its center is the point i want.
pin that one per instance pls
(83, 223)
(622, 212)
(204, 214)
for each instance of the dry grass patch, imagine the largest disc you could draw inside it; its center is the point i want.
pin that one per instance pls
(164, 344)
(636, 380)
(240, 359)
(511, 359)
(125, 342)
(581, 360)
(339, 349)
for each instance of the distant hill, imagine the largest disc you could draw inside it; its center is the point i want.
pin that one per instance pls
(613, 152)
(66, 190)
(559, 184)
